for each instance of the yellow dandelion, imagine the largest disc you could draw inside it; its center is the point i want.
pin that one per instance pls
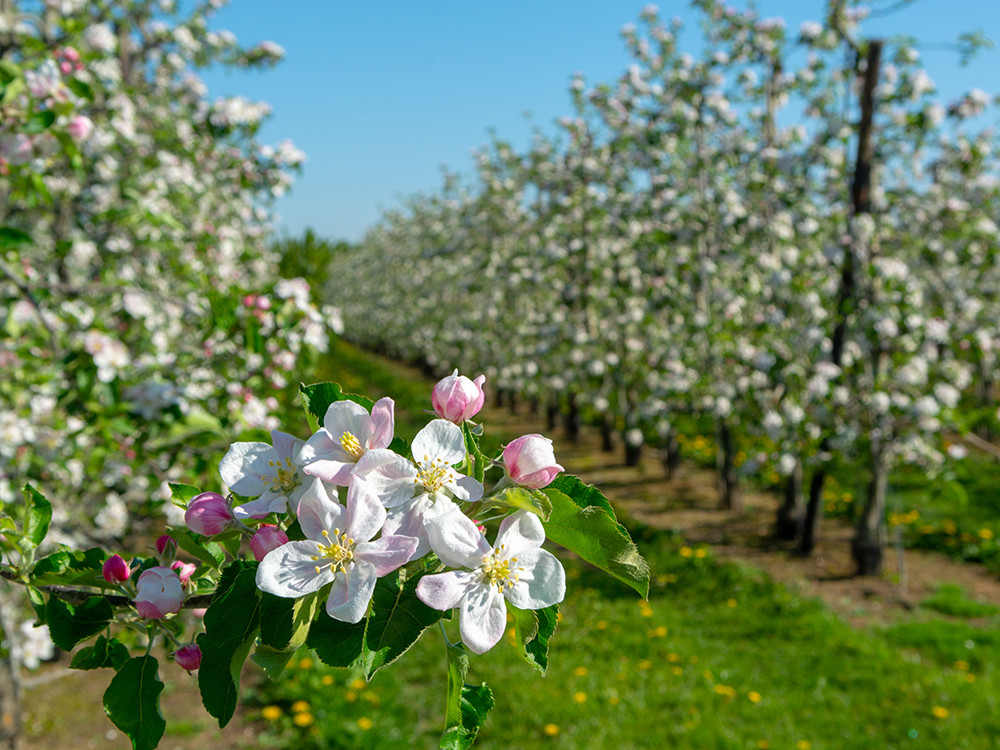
(646, 612)
(803, 745)
(365, 723)
(676, 670)
(730, 602)
(686, 552)
(601, 625)
(753, 696)
(670, 578)
(940, 712)
(707, 674)
(579, 697)
(644, 664)
(271, 712)
(580, 671)
(672, 657)
(659, 632)
(969, 677)
(358, 683)
(303, 719)
(300, 706)
(726, 690)
(551, 730)
(614, 700)
(305, 663)
(327, 679)
(350, 696)
(700, 552)
(986, 533)
(763, 745)
(961, 665)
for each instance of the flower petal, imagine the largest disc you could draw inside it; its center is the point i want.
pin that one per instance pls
(456, 540)
(382, 423)
(347, 416)
(268, 503)
(245, 465)
(542, 581)
(483, 618)
(408, 520)
(351, 592)
(365, 514)
(441, 440)
(466, 488)
(520, 531)
(389, 475)
(387, 553)
(317, 512)
(285, 445)
(290, 571)
(444, 591)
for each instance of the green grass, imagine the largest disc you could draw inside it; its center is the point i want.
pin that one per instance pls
(719, 657)
(951, 599)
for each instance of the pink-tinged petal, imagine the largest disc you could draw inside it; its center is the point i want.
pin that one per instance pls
(541, 583)
(244, 465)
(351, 592)
(290, 571)
(320, 447)
(267, 504)
(390, 476)
(382, 423)
(445, 591)
(408, 520)
(285, 445)
(365, 514)
(457, 541)
(347, 416)
(387, 553)
(520, 531)
(466, 488)
(482, 619)
(540, 478)
(317, 512)
(441, 440)
(334, 472)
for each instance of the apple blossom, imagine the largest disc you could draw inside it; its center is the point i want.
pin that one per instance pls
(514, 569)
(184, 571)
(159, 593)
(188, 657)
(456, 398)
(267, 472)
(530, 461)
(348, 432)
(208, 514)
(116, 570)
(166, 546)
(266, 538)
(338, 550)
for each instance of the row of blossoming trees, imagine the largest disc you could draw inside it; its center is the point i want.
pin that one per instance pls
(141, 320)
(785, 233)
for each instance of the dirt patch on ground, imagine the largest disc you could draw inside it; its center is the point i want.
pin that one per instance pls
(689, 504)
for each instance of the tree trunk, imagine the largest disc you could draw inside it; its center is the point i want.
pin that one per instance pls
(551, 412)
(632, 453)
(670, 453)
(572, 421)
(792, 513)
(607, 433)
(871, 535)
(814, 512)
(729, 491)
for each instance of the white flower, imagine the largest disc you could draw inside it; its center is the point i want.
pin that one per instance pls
(339, 550)
(515, 569)
(267, 471)
(417, 491)
(348, 432)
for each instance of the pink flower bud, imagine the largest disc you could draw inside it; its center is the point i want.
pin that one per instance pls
(188, 657)
(456, 398)
(80, 128)
(267, 538)
(71, 54)
(115, 569)
(166, 546)
(530, 461)
(184, 571)
(208, 514)
(66, 67)
(159, 593)
(263, 303)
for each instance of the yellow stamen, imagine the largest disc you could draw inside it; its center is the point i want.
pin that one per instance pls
(351, 445)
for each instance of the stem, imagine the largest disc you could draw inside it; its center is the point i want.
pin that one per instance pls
(444, 634)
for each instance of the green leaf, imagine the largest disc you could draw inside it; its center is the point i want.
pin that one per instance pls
(467, 706)
(285, 622)
(534, 628)
(480, 462)
(583, 522)
(71, 623)
(132, 702)
(272, 660)
(80, 88)
(106, 652)
(522, 498)
(10, 237)
(232, 623)
(182, 493)
(316, 398)
(70, 567)
(39, 122)
(210, 553)
(36, 518)
(396, 620)
(38, 604)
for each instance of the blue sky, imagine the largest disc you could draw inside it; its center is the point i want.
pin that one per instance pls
(380, 95)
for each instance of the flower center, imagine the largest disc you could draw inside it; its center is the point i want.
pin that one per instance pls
(284, 478)
(337, 554)
(351, 445)
(433, 475)
(500, 572)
